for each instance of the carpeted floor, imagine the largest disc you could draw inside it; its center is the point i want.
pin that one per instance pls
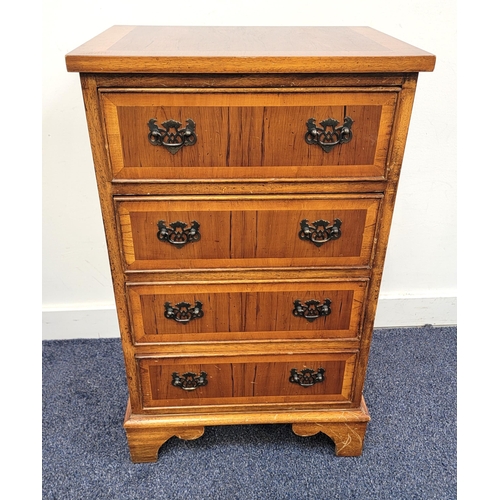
(409, 452)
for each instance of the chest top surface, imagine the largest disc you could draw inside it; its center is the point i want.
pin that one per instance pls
(241, 49)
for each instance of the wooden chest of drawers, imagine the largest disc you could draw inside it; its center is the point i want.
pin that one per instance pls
(247, 179)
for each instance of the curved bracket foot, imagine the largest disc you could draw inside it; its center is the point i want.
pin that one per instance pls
(144, 443)
(347, 436)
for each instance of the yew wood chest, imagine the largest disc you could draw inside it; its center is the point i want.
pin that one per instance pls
(247, 179)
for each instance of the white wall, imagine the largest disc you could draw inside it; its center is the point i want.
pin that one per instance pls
(419, 284)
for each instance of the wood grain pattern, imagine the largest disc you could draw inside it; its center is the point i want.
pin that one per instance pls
(249, 181)
(248, 129)
(241, 380)
(246, 311)
(229, 224)
(227, 49)
(348, 437)
(146, 433)
(260, 82)
(102, 169)
(398, 142)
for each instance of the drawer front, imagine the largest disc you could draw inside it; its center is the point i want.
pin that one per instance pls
(166, 312)
(246, 380)
(228, 232)
(228, 135)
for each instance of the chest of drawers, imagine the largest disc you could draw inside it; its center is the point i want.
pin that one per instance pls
(247, 179)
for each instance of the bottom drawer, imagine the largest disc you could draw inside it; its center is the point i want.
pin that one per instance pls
(246, 380)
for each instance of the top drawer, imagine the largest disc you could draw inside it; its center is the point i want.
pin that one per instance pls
(222, 134)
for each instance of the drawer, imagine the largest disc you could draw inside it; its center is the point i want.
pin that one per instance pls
(246, 380)
(225, 134)
(208, 312)
(247, 232)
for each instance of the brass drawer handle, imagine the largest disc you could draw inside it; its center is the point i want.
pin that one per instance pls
(177, 233)
(172, 137)
(330, 135)
(312, 309)
(320, 232)
(306, 377)
(189, 381)
(183, 312)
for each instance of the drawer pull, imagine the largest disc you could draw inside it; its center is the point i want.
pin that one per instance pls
(177, 233)
(312, 309)
(189, 381)
(306, 377)
(320, 232)
(183, 312)
(330, 135)
(172, 137)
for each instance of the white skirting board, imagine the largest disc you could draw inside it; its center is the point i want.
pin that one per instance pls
(393, 311)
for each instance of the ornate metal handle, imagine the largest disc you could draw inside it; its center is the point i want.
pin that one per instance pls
(320, 232)
(312, 309)
(306, 377)
(330, 135)
(172, 137)
(178, 234)
(183, 312)
(189, 381)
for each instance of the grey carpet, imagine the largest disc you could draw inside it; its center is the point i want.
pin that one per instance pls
(409, 452)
